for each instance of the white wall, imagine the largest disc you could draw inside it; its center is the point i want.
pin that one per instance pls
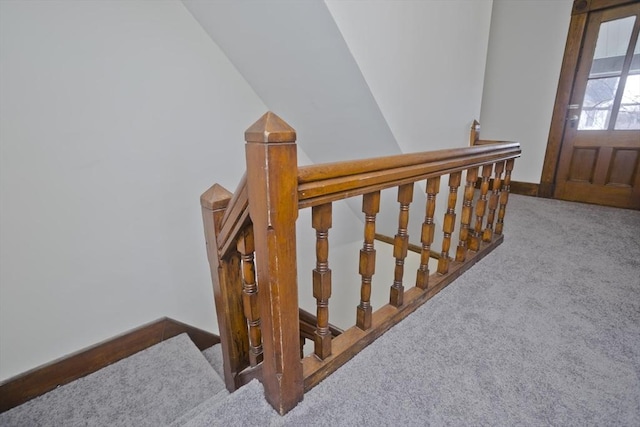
(114, 118)
(526, 47)
(424, 62)
(294, 57)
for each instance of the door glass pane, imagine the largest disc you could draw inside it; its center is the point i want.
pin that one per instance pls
(611, 47)
(597, 104)
(629, 113)
(604, 75)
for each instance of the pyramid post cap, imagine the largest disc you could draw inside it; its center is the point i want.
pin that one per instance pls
(270, 129)
(216, 197)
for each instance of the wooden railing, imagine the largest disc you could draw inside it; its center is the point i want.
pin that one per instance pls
(258, 312)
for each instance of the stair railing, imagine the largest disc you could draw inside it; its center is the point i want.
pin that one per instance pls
(257, 308)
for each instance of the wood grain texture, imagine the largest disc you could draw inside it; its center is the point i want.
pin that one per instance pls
(24, 387)
(563, 94)
(272, 171)
(320, 184)
(226, 278)
(354, 339)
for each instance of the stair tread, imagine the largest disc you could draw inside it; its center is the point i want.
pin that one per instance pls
(150, 388)
(214, 357)
(211, 411)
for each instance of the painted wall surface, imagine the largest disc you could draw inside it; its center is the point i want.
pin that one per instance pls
(114, 118)
(294, 57)
(526, 46)
(424, 62)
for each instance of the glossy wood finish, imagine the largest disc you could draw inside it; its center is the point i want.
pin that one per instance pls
(354, 339)
(325, 183)
(272, 172)
(401, 244)
(226, 277)
(410, 246)
(449, 222)
(467, 211)
(504, 195)
(321, 218)
(584, 6)
(36, 382)
(601, 166)
(481, 205)
(428, 232)
(246, 249)
(487, 234)
(267, 202)
(370, 208)
(309, 324)
(555, 170)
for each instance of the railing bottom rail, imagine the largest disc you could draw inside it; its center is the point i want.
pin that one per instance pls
(354, 339)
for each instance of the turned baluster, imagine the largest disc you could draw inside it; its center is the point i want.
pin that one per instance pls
(504, 195)
(401, 244)
(321, 222)
(370, 207)
(476, 233)
(250, 295)
(449, 222)
(467, 210)
(428, 229)
(487, 235)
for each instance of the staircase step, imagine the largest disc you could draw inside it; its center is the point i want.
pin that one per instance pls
(153, 387)
(214, 357)
(250, 398)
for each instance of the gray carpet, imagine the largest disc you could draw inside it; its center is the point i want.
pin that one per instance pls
(151, 388)
(544, 331)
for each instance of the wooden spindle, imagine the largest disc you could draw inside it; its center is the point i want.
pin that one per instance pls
(250, 294)
(487, 234)
(449, 222)
(401, 244)
(428, 229)
(467, 210)
(370, 207)
(504, 195)
(476, 234)
(321, 222)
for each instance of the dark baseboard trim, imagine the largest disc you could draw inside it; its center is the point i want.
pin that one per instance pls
(24, 387)
(524, 188)
(516, 187)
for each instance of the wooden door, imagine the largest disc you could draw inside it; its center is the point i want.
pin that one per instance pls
(599, 159)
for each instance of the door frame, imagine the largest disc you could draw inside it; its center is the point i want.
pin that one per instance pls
(579, 16)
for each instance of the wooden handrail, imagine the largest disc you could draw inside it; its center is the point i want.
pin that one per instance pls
(319, 184)
(236, 216)
(261, 323)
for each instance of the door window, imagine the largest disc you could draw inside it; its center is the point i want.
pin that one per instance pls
(613, 80)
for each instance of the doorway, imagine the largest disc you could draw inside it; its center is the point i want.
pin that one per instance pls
(593, 154)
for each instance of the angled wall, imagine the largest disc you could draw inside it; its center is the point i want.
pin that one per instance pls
(294, 57)
(526, 46)
(114, 118)
(424, 62)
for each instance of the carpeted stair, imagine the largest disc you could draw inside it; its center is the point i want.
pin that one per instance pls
(546, 331)
(161, 385)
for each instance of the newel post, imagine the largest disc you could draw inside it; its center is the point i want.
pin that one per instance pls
(272, 179)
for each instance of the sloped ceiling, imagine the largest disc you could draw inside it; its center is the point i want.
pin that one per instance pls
(295, 58)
